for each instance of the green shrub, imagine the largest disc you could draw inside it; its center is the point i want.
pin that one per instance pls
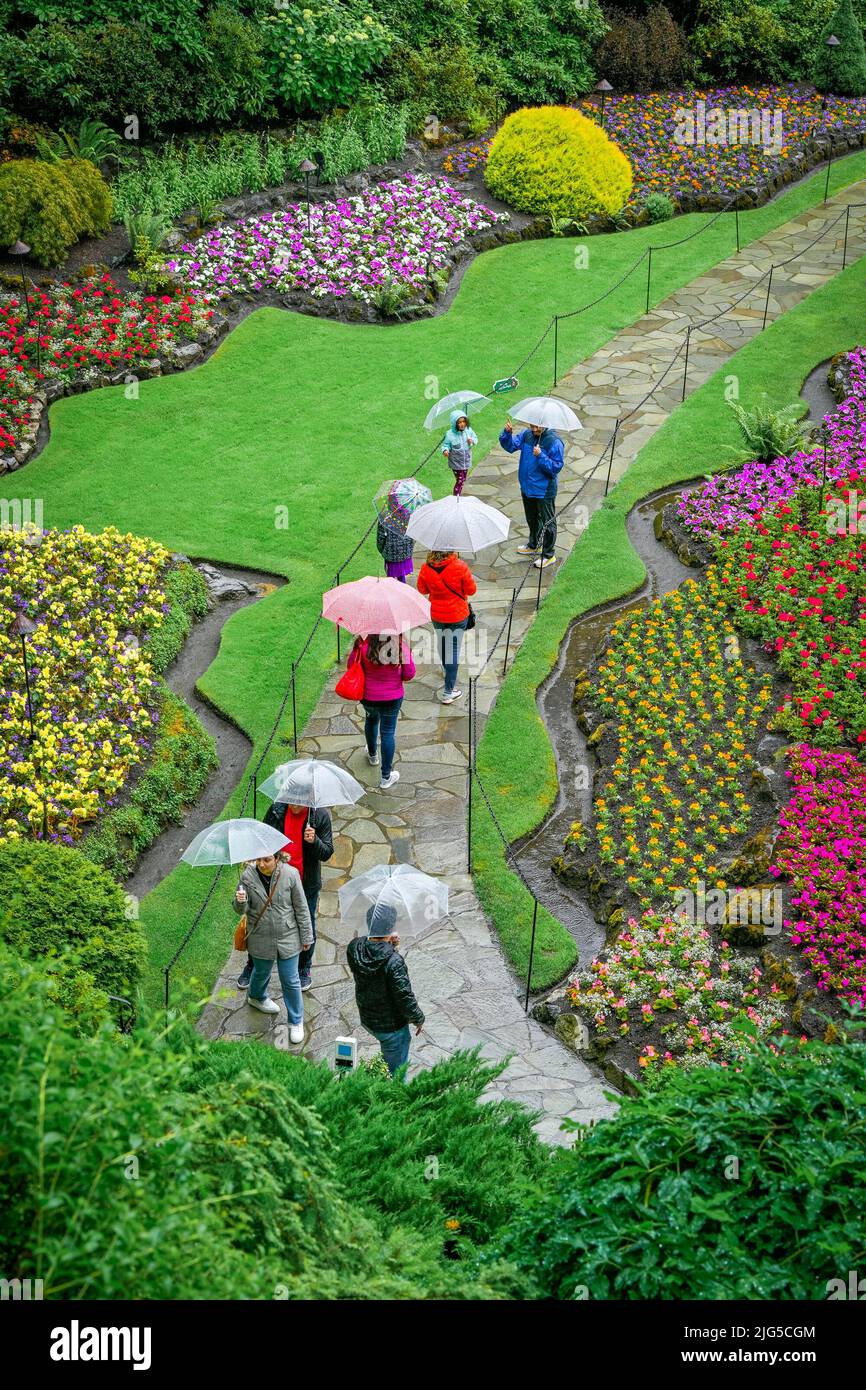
(768, 433)
(50, 206)
(441, 80)
(235, 82)
(317, 55)
(181, 761)
(643, 53)
(555, 161)
(841, 70)
(55, 901)
(659, 207)
(143, 1171)
(186, 594)
(648, 1206)
(737, 40)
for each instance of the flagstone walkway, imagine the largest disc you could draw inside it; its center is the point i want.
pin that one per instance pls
(457, 968)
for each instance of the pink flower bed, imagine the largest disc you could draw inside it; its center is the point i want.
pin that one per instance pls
(822, 849)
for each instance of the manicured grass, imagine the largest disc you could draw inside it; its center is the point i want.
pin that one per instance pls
(514, 751)
(312, 415)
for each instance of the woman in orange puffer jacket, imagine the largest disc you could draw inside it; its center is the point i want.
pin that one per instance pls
(447, 581)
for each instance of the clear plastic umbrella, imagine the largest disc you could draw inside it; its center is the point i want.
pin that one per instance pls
(400, 898)
(396, 501)
(312, 782)
(547, 411)
(458, 523)
(470, 402)
(233, 842)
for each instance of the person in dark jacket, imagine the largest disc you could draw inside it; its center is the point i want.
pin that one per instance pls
(383, 990)
(309, 844)
(541, 458)
(396, 551)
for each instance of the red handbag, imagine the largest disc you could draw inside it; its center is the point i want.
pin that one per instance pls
(350, 686)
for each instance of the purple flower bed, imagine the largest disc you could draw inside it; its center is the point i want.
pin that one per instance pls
(396, 234)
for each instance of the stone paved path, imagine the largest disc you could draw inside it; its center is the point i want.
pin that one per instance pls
(459, 973)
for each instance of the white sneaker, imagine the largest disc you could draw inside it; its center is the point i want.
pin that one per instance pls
(373, 758)
(264, 1006)
(449, 699)
(387, 782)
(296, 1032)
(527, 549)
(543, 563)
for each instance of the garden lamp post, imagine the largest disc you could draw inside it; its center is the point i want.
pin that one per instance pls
(24, 627)
(21, 249)
(307, 168)
(602, 88)
(832, 42)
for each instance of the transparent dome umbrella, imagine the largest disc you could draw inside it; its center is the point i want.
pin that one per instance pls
(312, 782)
(458, 523)
(470, 402)
(402, 899)
(233, 842)
(376, 605)
(547, 411)
(397, 500)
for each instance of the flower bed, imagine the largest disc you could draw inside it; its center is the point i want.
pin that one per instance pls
(644, 125)
(682, 710)
(395, 235)
(822, 849)
(677, 995)
(90, 331)
(95, 600)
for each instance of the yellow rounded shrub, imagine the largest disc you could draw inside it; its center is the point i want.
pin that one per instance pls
(553, 160)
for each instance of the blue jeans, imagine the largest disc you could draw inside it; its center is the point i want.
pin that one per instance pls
(305, 959)
(288, 972)
(450, 637)
(381, 722)
(395, 1048)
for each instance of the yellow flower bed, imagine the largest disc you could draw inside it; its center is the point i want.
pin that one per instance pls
(553, 160)
(93, 598)
(685, 709)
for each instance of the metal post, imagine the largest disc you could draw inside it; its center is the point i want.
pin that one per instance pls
(508, 633)
(540, 563)
(827, 180)
(767, 305)
(612, 450)
(686, 361)
(531, 955)
(845, 243)
(336, 585)
(255, 799)
(471, 768)
(555, 348)
(649, 271)
(294, 712)
(737, 221)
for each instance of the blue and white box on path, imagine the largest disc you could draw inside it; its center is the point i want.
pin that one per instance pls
(346, 1054)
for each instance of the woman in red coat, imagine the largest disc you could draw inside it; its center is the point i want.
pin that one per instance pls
(448, 583)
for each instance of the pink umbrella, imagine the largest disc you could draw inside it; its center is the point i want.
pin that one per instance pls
(375, 605)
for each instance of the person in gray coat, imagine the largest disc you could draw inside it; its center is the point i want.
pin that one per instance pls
(272, 895)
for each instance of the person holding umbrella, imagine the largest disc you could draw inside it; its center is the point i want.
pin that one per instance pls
(457, 447)
(383, 991)
(448, 582)
(395, 502)
(387, 664)
(271, 896)
(541, 458)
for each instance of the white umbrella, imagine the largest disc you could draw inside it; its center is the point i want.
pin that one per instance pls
(547, 411)
(233, 842)
(469, 401)
(400, 897)
(458, 523)
(312, 782)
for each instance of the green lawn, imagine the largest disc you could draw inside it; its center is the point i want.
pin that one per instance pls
(312, 415)
(515, 750)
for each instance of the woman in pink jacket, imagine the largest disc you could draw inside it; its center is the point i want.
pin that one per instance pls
(387, 663)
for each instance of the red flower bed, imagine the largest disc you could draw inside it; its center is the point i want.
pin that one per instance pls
(91, 327)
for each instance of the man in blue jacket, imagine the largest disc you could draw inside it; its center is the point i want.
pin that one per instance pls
(541, 459)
